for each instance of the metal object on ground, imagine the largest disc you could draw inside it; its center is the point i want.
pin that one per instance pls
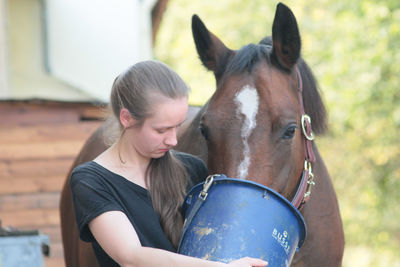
(22, 248)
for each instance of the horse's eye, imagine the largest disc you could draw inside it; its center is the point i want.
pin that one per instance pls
(204, 131)
(289, 132)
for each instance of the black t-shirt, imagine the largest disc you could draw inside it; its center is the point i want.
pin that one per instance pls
(96, 190)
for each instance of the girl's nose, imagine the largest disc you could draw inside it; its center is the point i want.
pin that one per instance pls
(171, 139)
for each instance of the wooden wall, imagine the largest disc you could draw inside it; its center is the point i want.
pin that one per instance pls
(38, 143)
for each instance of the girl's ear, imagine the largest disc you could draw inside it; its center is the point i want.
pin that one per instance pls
(126, 118)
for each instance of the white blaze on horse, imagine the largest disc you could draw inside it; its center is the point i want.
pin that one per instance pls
(247, 102)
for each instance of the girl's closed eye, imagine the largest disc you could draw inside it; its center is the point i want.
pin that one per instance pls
(161, 131)
(164, 130)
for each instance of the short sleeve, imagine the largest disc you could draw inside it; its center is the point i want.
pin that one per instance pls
(90, 198)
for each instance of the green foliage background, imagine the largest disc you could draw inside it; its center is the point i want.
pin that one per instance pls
(353, 48)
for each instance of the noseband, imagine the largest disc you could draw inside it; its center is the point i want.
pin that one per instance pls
(307, 177)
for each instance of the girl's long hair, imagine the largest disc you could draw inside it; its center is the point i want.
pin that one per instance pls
(166, 177)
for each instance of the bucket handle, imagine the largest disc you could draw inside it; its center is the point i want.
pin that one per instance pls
(207, 184)
(199, 202)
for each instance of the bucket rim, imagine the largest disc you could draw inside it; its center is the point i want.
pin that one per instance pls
(222, 178)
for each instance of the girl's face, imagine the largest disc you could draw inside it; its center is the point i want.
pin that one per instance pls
(158, 134)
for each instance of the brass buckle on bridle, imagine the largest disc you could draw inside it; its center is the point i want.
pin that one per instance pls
(304, 120)
(310, 181)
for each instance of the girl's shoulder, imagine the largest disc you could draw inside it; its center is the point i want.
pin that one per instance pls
(195, 167)
(87, 167)
(189, 159)
(88, 171)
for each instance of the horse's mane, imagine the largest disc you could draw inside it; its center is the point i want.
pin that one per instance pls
(246, 58)
(313, 104)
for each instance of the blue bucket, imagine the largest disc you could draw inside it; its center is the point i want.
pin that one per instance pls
(227, 219)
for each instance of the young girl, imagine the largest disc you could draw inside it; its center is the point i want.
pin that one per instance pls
(127, 201)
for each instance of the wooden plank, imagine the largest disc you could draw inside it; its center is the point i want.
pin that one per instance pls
(31, 217)
(44, 132)
(34, 105)
(38, 143)
(24, 117)
(56, 249)
(94, 113)
(29, 106)
(44, 200)
(41, 150)
(31, 184)
(54, 262)
(30, 113)
(25, 168)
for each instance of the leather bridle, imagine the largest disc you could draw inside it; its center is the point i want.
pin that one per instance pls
(307, 177)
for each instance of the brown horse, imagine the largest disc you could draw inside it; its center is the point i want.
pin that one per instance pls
(251, 128)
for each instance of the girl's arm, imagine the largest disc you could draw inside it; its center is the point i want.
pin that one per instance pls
(116, 235)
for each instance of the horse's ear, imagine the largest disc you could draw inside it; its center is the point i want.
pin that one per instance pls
(286, 41)
(213, 53)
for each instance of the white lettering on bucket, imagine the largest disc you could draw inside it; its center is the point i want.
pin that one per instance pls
(247, 100)
(282, 238)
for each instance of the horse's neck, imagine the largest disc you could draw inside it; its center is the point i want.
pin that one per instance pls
(190, 139)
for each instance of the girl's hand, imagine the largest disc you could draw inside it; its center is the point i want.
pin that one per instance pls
(248, 262)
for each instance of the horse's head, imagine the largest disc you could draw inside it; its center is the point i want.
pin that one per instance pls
(252, 123)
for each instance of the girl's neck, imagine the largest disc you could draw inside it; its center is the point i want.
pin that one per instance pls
(124, 161)
(128, 156)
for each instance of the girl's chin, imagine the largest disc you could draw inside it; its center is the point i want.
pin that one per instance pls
(159, 153)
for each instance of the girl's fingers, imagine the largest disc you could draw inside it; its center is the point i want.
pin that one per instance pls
(257, 262)
(247, 261)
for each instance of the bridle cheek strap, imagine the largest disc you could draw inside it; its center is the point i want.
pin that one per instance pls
(307, 177)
